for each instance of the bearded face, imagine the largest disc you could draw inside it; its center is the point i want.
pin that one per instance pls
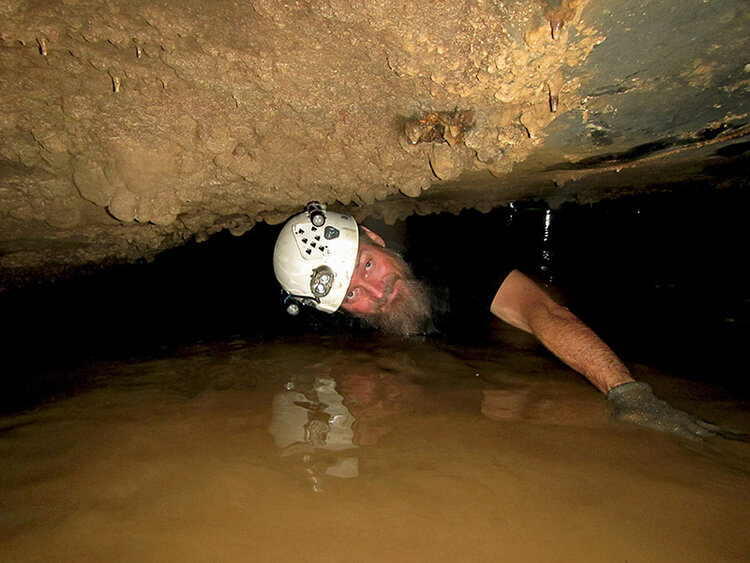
(409, 310)
(384, 291)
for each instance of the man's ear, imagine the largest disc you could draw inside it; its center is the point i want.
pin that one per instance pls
(374, 237)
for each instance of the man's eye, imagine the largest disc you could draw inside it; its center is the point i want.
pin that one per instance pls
(350, 295)
(368, 264)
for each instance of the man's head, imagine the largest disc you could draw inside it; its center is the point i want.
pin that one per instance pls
(326, 261)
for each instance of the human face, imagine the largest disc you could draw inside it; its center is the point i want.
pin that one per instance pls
(375, 282)
(384, 291)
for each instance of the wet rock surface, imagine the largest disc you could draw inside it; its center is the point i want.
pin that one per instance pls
(131, 127)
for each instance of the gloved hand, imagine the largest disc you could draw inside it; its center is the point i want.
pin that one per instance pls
(635, 402)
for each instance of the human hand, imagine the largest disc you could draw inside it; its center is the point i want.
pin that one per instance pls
(636, 403)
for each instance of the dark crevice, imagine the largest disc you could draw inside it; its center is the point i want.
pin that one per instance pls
(647, 149)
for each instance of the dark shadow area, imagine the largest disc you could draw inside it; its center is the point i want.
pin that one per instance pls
(660, 277)
(652, 148)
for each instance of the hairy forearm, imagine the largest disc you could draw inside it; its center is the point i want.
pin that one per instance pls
(525, 305)
(578, 346)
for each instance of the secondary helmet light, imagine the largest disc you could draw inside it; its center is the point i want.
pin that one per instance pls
(318, 218)
(315, 255)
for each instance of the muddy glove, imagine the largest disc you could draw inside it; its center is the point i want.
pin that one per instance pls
(635, 402)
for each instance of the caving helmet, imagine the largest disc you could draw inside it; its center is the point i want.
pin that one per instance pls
(314, 258)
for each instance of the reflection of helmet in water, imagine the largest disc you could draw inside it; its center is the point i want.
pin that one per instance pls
(315, 255)
(319, 418)
(310, 418)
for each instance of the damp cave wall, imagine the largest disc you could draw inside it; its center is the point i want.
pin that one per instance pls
(659, 276)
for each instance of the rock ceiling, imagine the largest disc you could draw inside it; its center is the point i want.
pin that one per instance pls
(132, 126)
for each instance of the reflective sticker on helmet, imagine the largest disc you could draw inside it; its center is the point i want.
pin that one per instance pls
(308, 240)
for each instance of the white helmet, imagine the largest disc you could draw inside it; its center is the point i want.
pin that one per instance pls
(314, 258)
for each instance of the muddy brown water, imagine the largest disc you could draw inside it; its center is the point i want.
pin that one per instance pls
(343, 449)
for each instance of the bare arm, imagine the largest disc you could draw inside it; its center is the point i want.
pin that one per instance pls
(523, 304)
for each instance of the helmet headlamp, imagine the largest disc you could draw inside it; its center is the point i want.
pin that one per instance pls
(321, 281)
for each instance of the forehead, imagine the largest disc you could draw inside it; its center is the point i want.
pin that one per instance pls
(384, 257)
(367, 247)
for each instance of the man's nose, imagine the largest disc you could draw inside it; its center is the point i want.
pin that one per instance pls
(373, 287)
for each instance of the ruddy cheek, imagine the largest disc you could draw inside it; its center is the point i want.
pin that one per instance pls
(394, 293)
(361, 306)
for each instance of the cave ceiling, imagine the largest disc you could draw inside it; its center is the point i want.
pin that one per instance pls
(129, 127)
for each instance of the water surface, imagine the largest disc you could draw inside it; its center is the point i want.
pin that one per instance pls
(346, 448)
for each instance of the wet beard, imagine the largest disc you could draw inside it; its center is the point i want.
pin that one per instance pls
(409, 311)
